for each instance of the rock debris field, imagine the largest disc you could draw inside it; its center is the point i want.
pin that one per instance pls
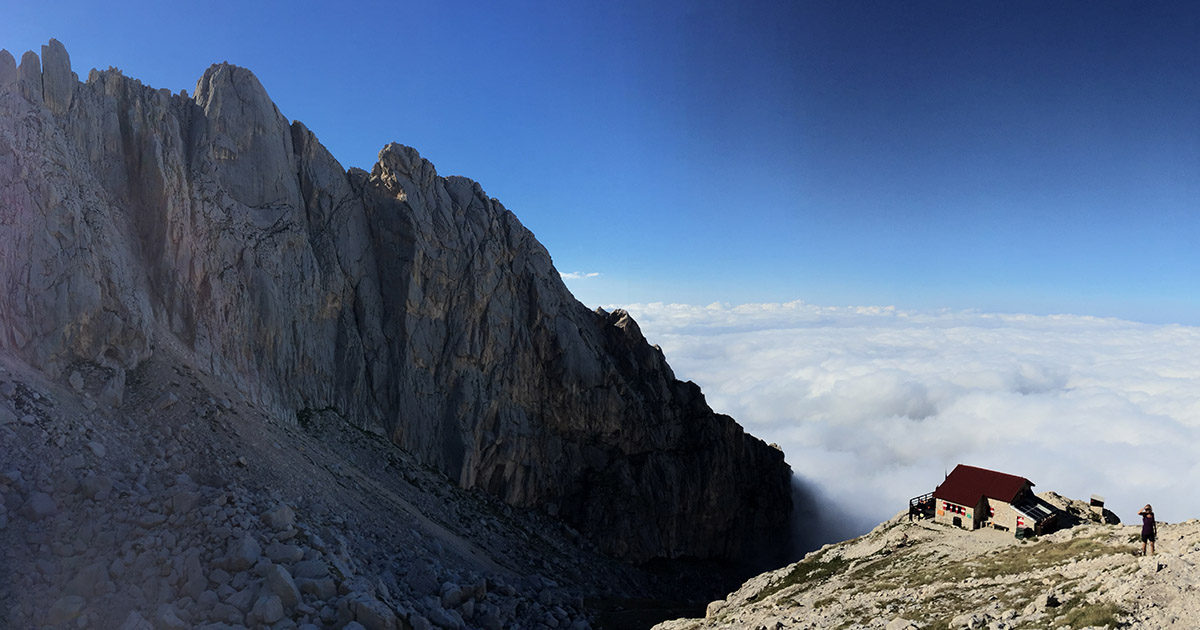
(183, 508)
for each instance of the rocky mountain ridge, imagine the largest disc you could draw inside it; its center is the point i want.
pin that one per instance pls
(135, 219)
(923, 575)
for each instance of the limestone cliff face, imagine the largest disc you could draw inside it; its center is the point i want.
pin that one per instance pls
(132, 218)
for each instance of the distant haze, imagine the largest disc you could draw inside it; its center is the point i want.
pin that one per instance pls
(873, 405)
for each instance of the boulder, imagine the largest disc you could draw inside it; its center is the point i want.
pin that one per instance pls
(184, 501)
(280, 518)
(373, 614)
(285, 553)
(113, 393)
(195, 582)
(279, 583)
(244, 599)
(422, 578)
(134, 621)
(167, 618)
(310, 569)
(165, 401)
(321, 588)
(65, 609)
(88, 580)
(267, 610)
(97, 449)
(40, 506)
(452, 595)
(96, 487)
(243, 553)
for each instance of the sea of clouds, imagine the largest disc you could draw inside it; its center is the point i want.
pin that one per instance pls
(874, 405)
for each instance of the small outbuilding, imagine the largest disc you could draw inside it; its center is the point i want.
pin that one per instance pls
(972, 497)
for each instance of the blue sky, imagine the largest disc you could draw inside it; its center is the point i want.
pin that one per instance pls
(1014, 157)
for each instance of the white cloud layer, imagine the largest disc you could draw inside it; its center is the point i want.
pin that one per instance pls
(872, 405)
(579, 275)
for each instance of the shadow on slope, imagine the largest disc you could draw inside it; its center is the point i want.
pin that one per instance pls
(816, 521)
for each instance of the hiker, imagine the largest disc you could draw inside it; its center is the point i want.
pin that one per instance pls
(1149, 528)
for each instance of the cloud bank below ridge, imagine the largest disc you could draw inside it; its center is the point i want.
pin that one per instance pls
(873, 405)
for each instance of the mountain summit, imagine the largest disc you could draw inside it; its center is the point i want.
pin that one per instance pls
(210, 231)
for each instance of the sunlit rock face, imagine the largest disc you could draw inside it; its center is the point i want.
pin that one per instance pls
(133, 218)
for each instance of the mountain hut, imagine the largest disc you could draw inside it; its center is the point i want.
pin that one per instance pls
(972, 497)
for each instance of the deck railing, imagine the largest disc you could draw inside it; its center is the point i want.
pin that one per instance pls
(921, 507)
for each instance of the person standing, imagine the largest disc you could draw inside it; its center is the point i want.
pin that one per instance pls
(1149, 528)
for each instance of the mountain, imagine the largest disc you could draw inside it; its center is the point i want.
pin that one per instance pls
(907, 575)
(207, 231)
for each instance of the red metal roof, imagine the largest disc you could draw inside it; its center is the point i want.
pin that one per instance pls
(966, 484)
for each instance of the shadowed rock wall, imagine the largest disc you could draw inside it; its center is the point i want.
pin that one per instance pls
(132, 218)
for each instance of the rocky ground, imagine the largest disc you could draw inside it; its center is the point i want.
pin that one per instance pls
(171, 503)
(922, 575)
